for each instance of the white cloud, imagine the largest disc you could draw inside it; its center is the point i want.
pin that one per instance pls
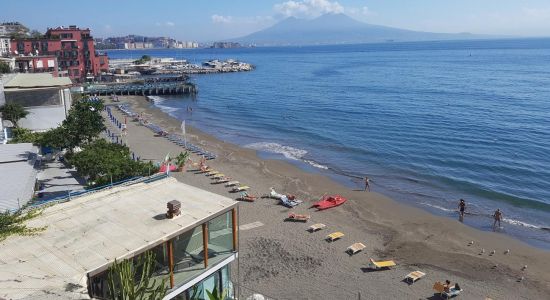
(222, 19)
(167, 24)
(366, 11)
(308, 8)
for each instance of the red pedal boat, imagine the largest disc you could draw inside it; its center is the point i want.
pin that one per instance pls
(329, 201)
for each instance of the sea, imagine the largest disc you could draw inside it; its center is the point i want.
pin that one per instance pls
(428, 122)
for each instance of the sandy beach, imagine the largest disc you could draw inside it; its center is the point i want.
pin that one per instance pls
(283, 260)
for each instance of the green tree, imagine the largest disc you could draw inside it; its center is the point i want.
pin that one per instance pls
(181, 159)
(143, 59)
(4, 68)
(130, 279)
(13, 223)
(35, 34)
(13, 112)
(54, 138)
(24, 135)
(101, 161)
(84, 123)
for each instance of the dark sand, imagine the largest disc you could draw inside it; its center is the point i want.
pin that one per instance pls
(283, 260)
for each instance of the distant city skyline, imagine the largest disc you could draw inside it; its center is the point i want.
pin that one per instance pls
(213, 20)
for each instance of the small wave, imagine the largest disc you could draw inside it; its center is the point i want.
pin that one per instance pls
(286, 151)
(438, 207)
(509, 221)
(315, 164)
(520, 223)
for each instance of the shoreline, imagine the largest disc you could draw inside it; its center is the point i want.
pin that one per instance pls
(415, 238)
(517, 223)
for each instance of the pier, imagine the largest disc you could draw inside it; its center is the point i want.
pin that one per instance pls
(148, 88)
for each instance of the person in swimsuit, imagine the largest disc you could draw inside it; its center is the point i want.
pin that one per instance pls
(367, 184)
(461, 208)
(497, 216)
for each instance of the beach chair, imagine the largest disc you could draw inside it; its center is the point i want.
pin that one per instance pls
(334, 236)
(357, 247)
(440, 289)
(245, 196)
(240, 188)
(378, 265)
(316, 227)
(232, 183)
(217, 176)
(223, 180)
(412, 277)
(298, 218)
(212, 173)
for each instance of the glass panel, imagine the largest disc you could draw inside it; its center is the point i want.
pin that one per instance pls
(220, 238)
(188, 255)
(161, 265)
(226, 283)
(99, 286)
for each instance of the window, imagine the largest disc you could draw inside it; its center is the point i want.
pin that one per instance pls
(220, 279)
(188, 255)
(98, 284)
(220, 234)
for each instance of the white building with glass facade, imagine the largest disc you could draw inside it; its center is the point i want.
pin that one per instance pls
(83, 237)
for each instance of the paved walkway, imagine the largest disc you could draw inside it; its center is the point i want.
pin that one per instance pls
(57, 179)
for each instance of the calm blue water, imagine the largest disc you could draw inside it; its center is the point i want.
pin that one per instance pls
(429, 122)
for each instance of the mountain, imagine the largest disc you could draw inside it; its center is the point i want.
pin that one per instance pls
(339, 29)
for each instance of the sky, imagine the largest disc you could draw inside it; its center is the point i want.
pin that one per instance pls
(211, 20)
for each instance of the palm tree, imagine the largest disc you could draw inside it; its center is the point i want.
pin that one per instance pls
(181, 159)
(13, 112)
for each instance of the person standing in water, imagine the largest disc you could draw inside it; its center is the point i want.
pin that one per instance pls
(367, 184)
(461, 209)
(497, 216)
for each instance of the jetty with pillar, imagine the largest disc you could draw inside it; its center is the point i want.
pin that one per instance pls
(143, 89)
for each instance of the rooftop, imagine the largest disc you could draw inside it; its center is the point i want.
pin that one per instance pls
(17, 175)
(36, 80)
(90, 231)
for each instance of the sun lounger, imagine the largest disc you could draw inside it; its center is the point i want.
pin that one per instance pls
(217, 176)
(414, 276)
(334, 236)
(212, 173)
(232, 183)
(355, 248)
(377, 265)
(298, 218)
(245, 196)
(440, 288)
(316, 227)
(240, 188)
(223, 179)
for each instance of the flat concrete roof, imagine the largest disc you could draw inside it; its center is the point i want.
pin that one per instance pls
(17, 175)
(91, 231)
(36, 80)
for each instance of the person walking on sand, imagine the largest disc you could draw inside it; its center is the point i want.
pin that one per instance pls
(367, 184)
(497, 216)
(461, 208)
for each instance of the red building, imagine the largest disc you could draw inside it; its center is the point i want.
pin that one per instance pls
(37, 64)
(73, 47)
